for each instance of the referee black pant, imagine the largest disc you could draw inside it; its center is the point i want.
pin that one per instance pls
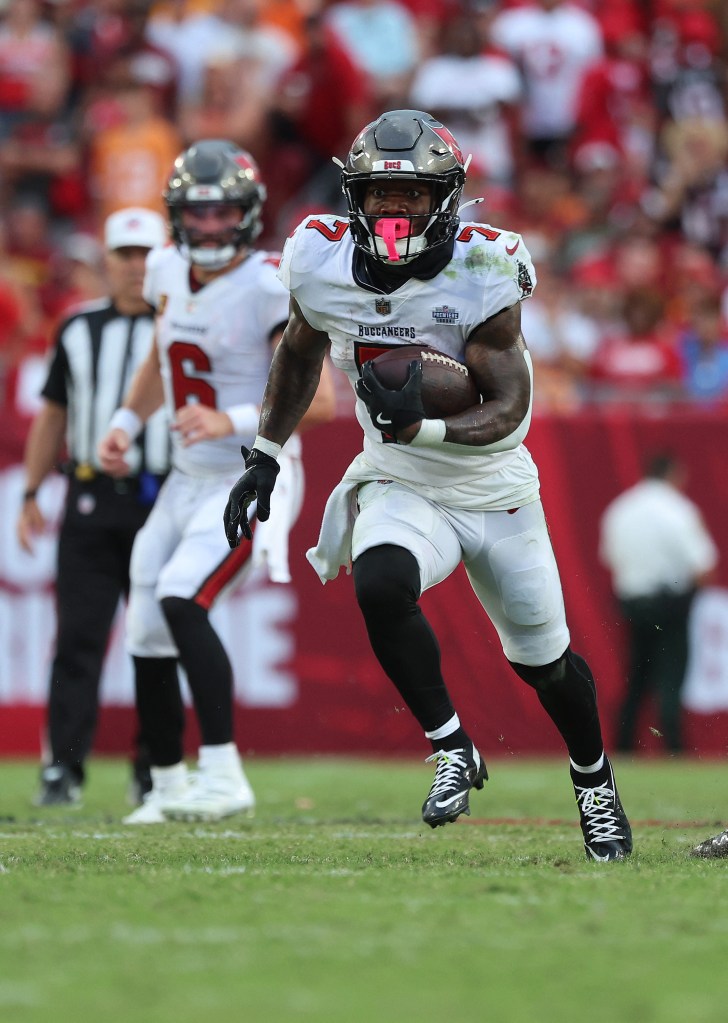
(94, 550)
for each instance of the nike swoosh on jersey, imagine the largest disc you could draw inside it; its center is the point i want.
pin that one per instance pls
(382, 421)
(511, 250)
(446, 802)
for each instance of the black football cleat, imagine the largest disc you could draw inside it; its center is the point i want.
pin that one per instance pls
(59, 786)
(712, 848)
(456, 773)
(604, 824)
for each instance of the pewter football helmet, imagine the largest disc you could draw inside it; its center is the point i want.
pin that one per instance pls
(215, 172)
(405, 144)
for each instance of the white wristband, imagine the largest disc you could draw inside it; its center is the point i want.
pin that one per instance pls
(128, 421)
(430, 435)
(244, 418)
(268, 447)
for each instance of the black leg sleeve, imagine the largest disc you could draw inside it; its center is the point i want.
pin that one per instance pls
(387, 582)
(568, 694)
(160, 709)
(207, 666)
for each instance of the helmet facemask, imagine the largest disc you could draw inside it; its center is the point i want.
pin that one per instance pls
(192, 242)
(399, 238)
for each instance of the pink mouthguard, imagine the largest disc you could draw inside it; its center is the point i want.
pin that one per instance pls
(389, 229)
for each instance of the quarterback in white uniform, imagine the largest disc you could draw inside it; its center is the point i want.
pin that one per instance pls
(220, 310)
(428, 494)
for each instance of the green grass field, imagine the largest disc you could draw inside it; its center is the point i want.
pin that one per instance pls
(337, 904)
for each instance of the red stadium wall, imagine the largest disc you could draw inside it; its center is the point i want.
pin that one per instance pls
(328, 694)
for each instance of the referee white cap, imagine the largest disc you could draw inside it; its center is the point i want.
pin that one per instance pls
(135, 226)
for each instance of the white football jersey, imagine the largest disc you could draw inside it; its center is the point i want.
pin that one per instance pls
(490, 271)
(214, 344)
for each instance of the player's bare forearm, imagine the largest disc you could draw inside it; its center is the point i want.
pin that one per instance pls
(146, 393)
(293, 379)
(495, 356)
(323, 406)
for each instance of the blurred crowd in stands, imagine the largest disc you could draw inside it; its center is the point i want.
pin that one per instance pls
(598, 129)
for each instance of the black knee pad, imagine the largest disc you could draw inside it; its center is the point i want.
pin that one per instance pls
(547, 677)
(387, 581)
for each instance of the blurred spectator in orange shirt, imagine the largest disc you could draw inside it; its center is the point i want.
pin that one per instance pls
(129, 162)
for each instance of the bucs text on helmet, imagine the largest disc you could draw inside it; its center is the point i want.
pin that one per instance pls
(405, 144)
(215, 172)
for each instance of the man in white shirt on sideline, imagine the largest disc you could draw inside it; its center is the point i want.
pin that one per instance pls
(659, 552)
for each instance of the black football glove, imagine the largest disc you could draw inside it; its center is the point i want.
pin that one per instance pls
(391, 411)
(257, 481)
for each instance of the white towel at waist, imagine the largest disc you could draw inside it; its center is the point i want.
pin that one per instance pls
(270, 538)
(333, 550)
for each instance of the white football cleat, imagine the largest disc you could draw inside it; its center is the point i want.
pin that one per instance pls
(219, 789)
(168, 785)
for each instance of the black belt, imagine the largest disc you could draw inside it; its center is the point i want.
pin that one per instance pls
(143, 486)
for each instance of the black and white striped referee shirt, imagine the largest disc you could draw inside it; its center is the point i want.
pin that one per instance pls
(97, 352)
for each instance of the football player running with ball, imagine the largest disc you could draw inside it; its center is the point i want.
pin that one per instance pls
(219, 311)
(426, 494)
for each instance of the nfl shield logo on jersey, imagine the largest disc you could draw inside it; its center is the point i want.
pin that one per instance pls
(383, 306)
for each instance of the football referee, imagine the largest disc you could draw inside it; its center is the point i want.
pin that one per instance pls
(97, 351)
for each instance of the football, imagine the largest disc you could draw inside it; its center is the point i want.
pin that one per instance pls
(447, 386)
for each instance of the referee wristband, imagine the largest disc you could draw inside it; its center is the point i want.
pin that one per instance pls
(268, 447)
(128, 421)
(431, 434)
